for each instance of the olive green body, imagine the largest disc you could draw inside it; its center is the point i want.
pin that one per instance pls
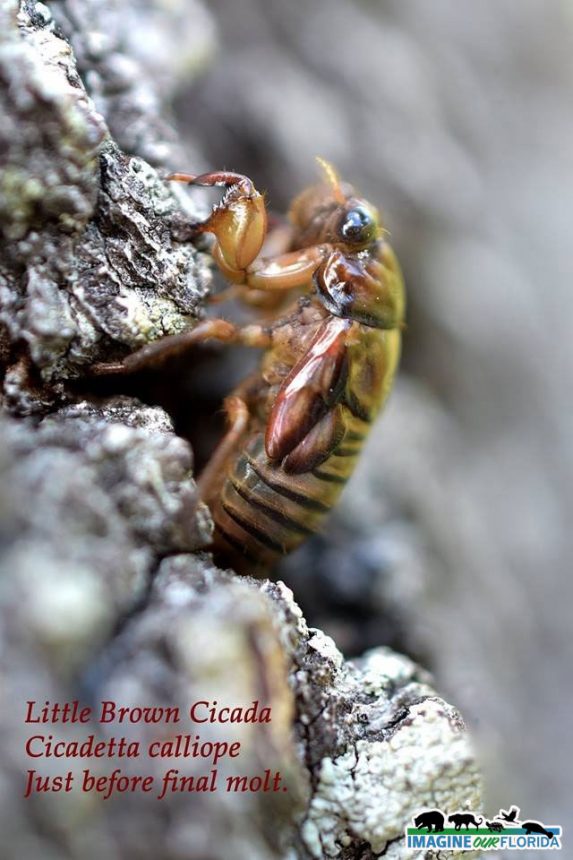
(261, 511)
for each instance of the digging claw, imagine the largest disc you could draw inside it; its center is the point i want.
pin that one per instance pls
(239, 222)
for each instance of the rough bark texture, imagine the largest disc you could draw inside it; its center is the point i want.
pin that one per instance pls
(106, 593)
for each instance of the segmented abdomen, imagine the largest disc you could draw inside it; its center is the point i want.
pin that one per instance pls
(264, 512)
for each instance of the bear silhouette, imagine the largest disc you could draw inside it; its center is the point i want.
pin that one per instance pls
(466, 818)
(536, 827)
(433, 818)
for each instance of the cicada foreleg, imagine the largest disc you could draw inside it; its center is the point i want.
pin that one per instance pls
(239, 224)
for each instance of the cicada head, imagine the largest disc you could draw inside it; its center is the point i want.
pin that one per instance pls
(331, 213)
(360, 279)
(316, 212)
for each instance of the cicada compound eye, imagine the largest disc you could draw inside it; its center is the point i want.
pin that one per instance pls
(359, 225)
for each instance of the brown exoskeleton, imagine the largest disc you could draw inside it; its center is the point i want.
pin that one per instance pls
(298, 423)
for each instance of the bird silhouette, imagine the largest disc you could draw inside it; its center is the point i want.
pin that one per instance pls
(509, 816)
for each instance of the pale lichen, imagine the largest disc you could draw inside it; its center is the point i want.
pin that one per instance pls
(379, 743)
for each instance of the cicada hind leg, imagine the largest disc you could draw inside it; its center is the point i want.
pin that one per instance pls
(231, 545)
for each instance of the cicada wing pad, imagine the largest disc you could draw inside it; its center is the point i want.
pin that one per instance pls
(306, 422)
(318, 445)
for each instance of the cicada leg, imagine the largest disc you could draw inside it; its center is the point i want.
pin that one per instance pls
(277, 242)
(239, 224)
(214, 473)
(156, 353)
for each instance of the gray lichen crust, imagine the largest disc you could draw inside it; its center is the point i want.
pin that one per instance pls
(50, 133)
(94, 245)
(96, 496)
(379, 743)
(106, 589)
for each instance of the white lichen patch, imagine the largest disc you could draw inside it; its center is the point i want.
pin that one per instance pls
(286, 594)
(372, 791)
(382, 666)
(380, 745)
(325, 646)
(67, 605)
(414, 753)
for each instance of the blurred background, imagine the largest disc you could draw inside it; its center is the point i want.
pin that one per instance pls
(453, 539)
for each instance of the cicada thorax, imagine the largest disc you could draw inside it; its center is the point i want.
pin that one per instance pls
(321, 385)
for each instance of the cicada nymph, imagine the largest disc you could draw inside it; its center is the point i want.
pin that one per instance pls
(297, 425)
